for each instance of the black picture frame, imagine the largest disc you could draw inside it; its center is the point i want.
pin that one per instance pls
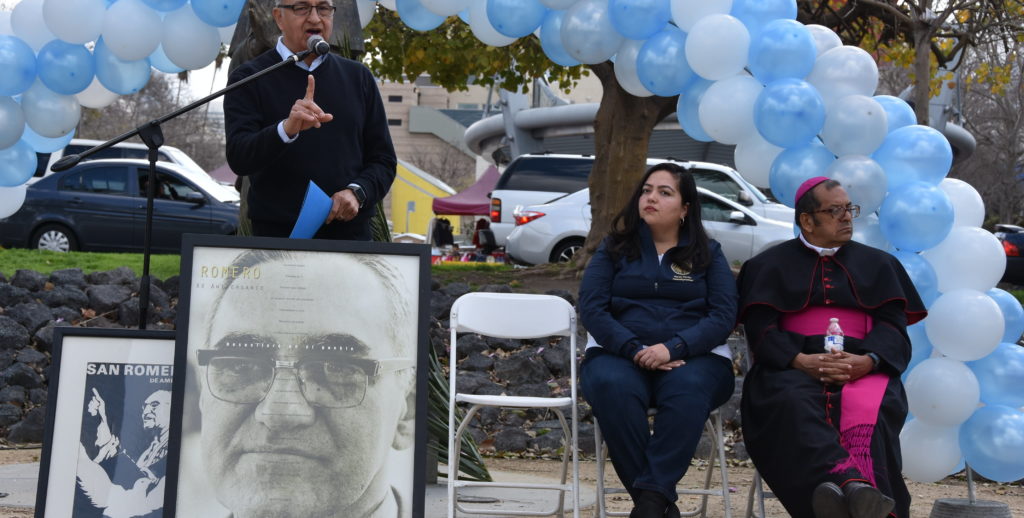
(83, 470)
(286, 306)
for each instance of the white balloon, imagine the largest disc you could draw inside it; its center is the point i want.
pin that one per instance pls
(482, 28)
(12, 122)
(75, 21)
(227, 33)
(726, 111)
(5, 23)
(96, 96)
(390, 4)
(867, 231)
(942, 392)
(366, 9)
(132, 30)
(717, 47)
(965, 325)
(438, 7)
(863, 179)
(28, 23)
(558, 4)
(754, 156)
(686, 13)
(969, 258)
(843, 71)
(854, 125)
(824, 38)
(588, 34)
(48, 113)
(188, 41)
(968, 207)
(11, 199)
(930, 452)
(625, 68)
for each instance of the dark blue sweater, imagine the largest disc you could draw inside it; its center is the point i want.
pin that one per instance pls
(626, 305)
(354, 147)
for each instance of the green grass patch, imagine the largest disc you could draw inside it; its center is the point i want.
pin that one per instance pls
(44, 261)
(1019, 294)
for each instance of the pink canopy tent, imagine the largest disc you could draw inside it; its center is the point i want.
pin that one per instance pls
(473, 200)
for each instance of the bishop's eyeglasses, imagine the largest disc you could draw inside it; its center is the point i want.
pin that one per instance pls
(303, 9)
(837, 211)
(333, 382)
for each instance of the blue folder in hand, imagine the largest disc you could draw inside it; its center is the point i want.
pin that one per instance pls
(315, 208)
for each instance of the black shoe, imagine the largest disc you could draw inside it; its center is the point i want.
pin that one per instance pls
(865, 501)
(652, 504)
(828, 501)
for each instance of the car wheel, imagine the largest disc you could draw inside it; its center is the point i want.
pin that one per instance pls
(54, 237)
(563, 252)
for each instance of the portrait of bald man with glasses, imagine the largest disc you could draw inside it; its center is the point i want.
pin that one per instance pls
(305, 364)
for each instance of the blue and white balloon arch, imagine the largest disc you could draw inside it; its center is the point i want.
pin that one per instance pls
(794, 100)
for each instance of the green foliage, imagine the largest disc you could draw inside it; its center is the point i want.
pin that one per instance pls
(44, 261)
(453, 57)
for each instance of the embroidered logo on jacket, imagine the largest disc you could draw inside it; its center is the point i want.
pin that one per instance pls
(681, 274)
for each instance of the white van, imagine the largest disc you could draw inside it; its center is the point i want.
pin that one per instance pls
(120, 150)
(537, 179)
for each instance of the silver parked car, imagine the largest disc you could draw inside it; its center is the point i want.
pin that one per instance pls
(554, 231)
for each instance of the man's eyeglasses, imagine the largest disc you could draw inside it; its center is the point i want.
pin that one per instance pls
(332, 383)
(837, 212)
(303, 9)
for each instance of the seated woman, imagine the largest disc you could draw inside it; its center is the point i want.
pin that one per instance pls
(659, 299)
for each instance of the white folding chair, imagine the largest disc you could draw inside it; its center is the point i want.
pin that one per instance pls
(756, 494)
(713, 426)
(513, 315)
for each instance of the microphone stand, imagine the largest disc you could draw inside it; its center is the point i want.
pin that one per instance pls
(153, 137)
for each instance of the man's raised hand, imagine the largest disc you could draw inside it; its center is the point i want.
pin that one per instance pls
(305, 113)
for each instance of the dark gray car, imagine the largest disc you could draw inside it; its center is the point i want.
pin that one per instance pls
(101, 205)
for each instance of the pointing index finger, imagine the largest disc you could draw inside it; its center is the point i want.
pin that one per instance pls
(310, 84)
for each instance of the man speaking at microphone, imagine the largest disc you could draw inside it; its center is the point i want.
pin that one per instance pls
(321, 120)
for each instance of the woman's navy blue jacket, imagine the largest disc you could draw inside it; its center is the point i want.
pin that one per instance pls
(626, 305)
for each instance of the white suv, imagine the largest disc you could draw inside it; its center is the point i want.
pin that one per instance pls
(536, 179)
(120, 150)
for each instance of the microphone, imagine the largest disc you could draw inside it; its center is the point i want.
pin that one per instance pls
(317, 45)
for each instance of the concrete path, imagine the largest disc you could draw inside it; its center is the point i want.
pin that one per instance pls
(19, 482)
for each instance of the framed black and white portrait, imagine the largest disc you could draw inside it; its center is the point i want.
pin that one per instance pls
(108, 424)
(302, 379)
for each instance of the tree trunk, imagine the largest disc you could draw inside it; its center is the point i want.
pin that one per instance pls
(923, 32)
(622, 131)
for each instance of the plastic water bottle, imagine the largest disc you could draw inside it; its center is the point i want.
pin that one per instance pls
(833, 336)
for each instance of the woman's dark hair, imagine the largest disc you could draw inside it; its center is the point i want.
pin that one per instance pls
(624, 238)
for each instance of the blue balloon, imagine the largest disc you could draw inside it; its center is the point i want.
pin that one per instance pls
(515, 18)
(159, 60)
(416, 16)
(897, 112)
(916, 216)
(551, 39)
(1001, 375)
(65, 68)
(43, 144)
(119, 76)
(796, 165)
(783, 49)
(18, 61)
(914, 153)
(688, 106)
(921, 273)
(661, 63)
(920, 347)
(789, 112)
(464, 16)
(17, 164)
(993, 443)
(639, 19)
(755, 14)
(218, 13)
(1013, 315)
(165, 5)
